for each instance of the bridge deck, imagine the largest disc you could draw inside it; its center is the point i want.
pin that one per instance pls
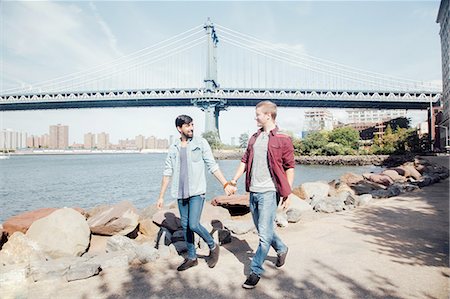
(222, 97)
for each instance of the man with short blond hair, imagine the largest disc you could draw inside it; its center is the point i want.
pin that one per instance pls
(268, 107)
(269, 166)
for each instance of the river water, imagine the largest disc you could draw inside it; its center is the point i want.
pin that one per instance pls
(32, 182)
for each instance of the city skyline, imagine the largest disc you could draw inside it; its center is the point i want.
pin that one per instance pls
(57, 138)
(406, 44)
(99, 140)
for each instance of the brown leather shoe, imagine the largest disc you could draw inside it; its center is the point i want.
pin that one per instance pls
(213, 256)
(187, 264)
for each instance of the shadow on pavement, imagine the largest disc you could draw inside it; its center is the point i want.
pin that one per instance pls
(415, 235)
(181, 285)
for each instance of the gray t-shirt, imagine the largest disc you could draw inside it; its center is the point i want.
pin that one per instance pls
(261, 178)
(183, 186)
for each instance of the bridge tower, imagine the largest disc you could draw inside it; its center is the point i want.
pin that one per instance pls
(210, 105)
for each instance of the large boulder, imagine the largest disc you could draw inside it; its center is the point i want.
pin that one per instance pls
(379, 179)
(119, 219)
(169, 219)
(64, 232)
(236, 204)
(148, 212)
(297, 207)
(297, 203)
(299, 192)
(343, 187)
(148, 228)
(365, 187)
(315, 189)
(351, 178)
(324, 206)
(143, 252)
(146, 225)
(97, 245)
(212, 214)
(363, 199)
(21, 222)
(394, 175)
(13, 275)
(408, 171)
(239, 227)
(393, 190)
(20, 249)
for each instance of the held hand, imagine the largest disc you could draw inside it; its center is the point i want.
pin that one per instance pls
(160, 203)
(285, 202)
(234, 189)
(230, 190)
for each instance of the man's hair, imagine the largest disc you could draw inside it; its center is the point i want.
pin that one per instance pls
(268, 107)
(182, 119)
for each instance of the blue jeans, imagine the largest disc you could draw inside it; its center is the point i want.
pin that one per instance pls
(264, 208)
(190, 212)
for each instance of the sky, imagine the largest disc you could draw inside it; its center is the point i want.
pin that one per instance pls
(45, 40)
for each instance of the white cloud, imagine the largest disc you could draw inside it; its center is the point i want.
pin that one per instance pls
(47, 39)
(106, 29)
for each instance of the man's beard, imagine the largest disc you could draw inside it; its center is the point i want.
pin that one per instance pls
(189, 135)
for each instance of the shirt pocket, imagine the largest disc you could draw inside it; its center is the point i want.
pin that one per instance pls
(276, 152)
(196, 154)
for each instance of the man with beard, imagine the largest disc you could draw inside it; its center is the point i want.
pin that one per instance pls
(185, 164)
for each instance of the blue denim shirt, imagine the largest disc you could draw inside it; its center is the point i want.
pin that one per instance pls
(199, 155)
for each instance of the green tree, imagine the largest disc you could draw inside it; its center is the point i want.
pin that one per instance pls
(314, 143)
(243, 140)
(417, 144)
(213, 139)
(334, 149)
(345, 136)
(399, 141)
(299, 148)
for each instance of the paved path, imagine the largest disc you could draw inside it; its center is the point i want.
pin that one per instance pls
(391, 248)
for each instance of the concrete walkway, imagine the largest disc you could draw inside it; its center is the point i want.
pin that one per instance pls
(391, 248)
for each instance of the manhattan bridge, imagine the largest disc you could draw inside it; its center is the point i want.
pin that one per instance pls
(172, 73)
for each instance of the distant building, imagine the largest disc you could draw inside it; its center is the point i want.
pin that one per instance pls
(151, 142)
(30, 141)
(103, 141)
(317, 120)
(140, 142)
(59, 137)
(443, 18)
(12, 140)
(379, 129)
(44, 141)
(422, 129)
(89, 141)
(162, 144)
(34, 141)
(77, 145)
(370, 116)
(127, 144)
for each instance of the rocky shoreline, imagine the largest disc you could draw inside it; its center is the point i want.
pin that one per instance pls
(74, 244)
(343, 160)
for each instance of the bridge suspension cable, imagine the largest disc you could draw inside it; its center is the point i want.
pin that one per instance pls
(339, 74)
(129, 63)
